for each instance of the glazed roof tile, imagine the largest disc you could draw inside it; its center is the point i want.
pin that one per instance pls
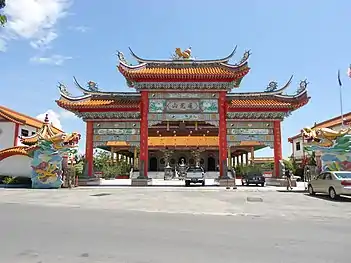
(201, 72)
(96, 103)
(246, 103)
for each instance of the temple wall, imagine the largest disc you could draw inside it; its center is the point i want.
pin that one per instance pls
(17, 165)
(7, 131)
(248, 131)
(116, 131)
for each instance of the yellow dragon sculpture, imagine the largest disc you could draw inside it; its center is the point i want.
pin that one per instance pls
(323, 137)
(186, 54)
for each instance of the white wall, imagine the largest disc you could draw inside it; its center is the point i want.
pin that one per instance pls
(17, 165)
(6, 134)
(298, 153)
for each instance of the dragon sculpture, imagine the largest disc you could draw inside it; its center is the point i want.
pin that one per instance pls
(46, 148)
(323, 137)
(333, 147)
(186, 54)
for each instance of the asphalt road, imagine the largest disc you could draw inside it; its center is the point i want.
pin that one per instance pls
(43, 234)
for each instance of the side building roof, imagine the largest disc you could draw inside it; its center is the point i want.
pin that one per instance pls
(22, 119)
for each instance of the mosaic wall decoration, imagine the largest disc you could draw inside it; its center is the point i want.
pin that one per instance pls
(252, 137)
(250, 124)
(249, 131)
(108, 115)
(107, 138)
(257, 115)
(120, 125)
(116, 131)
(183, 95)
(185, 117)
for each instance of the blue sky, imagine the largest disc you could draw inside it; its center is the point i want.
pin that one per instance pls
(59, 39)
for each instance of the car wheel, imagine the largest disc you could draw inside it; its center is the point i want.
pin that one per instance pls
(310, 190)
(262, 184)
(332, 193)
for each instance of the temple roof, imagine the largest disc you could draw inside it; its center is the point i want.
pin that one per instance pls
(273, 97)
(22, 119)
(46, 131)
(182, 68)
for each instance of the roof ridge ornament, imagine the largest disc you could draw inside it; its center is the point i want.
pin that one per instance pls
(245, 57)
(302, 86)
(92, 86)
(272, 86)
(63, 89)
(182, 55)
(122, 58)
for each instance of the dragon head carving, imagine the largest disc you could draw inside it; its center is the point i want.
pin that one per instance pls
(323, 137)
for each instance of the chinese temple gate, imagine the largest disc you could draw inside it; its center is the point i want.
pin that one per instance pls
(183, 108)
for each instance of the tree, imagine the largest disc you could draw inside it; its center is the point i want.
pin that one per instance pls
(3, 18)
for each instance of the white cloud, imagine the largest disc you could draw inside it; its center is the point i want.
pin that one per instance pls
(68, 115)
(57, 60)
(33, 20)
(53, 116)
(81, 29)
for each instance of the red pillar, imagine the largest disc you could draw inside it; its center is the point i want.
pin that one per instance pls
(16, 133)
(89, 148)
(222, 105)
(144, 134)
(277, 146)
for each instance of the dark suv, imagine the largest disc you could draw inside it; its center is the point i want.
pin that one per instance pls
(253, 178)
(195, 175)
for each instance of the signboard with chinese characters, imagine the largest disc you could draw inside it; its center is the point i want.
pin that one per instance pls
(183, 105)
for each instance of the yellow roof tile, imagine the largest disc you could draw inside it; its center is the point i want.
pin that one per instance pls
(15, 116)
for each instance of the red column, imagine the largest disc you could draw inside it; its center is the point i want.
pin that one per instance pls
(277, 146)
(144, 134)
(16, 133)
(222, 105)
(89, 148)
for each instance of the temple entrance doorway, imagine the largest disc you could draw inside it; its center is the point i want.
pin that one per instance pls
(211, 164)
(153, 164)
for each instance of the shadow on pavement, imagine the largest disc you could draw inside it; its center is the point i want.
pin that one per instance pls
(341, 199)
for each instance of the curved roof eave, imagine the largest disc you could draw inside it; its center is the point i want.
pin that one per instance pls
(101, 93)
(270, 93)
(221, 60)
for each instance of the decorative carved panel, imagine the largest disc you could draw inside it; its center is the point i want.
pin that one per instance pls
(109, 115)
(246, 131)
(183, 95)
(184, 117)
(120, 125)
(257, 115)
(249, 124)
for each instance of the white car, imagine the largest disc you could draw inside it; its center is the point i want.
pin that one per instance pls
(333, 183)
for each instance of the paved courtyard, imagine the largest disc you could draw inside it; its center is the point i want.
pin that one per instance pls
(245, 201)
(172, 224)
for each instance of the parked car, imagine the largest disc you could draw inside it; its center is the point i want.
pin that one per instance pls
(253, 178)
(195, 175)
(333, 183)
